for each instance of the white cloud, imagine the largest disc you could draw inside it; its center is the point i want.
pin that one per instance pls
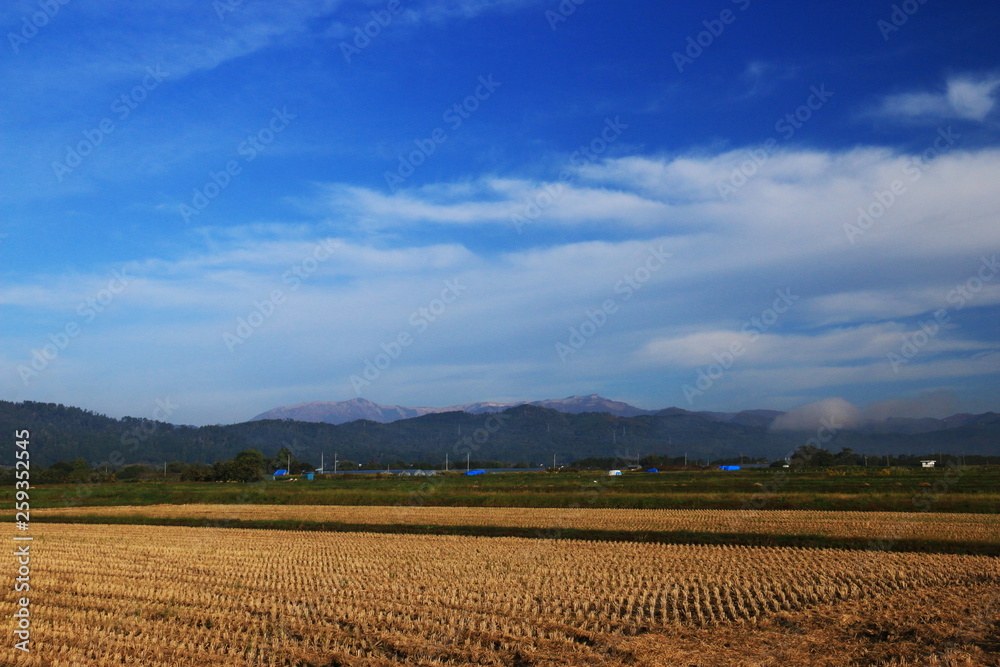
(889, 304)
(849, 345)
(965, 97)
(819, 377)
(783, 229)
(833, 413)
(496, 201)
(797, 208)
(436, 11)
(120, 45)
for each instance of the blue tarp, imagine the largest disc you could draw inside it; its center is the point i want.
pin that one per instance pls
(652, 470)
(278, 473)
(729, 467)
(476, 472)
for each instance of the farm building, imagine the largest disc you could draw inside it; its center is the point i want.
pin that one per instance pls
(614, 473)
(928, 463)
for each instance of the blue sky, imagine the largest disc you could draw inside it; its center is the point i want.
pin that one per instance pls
(225, 207)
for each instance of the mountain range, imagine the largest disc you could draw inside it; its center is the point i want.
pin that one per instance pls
(584, 427)
(344, 412)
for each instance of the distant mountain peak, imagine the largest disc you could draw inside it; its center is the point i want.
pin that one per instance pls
(341, 412)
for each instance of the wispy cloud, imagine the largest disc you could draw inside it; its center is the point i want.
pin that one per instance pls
(843, 346)
(796, 205)
(357, 12)
(761, 77)
(119, 44)
(964, 97)
(443, 10)
(494, 201)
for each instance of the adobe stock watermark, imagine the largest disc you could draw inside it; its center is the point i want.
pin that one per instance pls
(32, 23)
(464, 446)
(753, 506)
(958, 297)
(752, 329)
(143, 431)
(585, 155)
(122, 107)
(455, 116)
(364, 34)
(419, 321)
(714, 28)
(786, 126)
(131, 438)
(248, 149)
(760, 499)
(922, 501)
(562, 12)
(87, 312)
(22, 519)
(590, 494)
(900, 16)
(825, 433)
(594, 320)
(913, 169)
(925, 499)
(264, 309)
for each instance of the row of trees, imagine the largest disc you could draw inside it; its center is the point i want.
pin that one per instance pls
(812, 456)
(251, 465)
(247, 466)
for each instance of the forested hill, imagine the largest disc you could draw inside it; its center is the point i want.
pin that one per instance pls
(62, 433)
(524, 434)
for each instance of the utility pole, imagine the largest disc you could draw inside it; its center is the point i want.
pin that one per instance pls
(467, 462)
(446, 461)
(335, 463)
